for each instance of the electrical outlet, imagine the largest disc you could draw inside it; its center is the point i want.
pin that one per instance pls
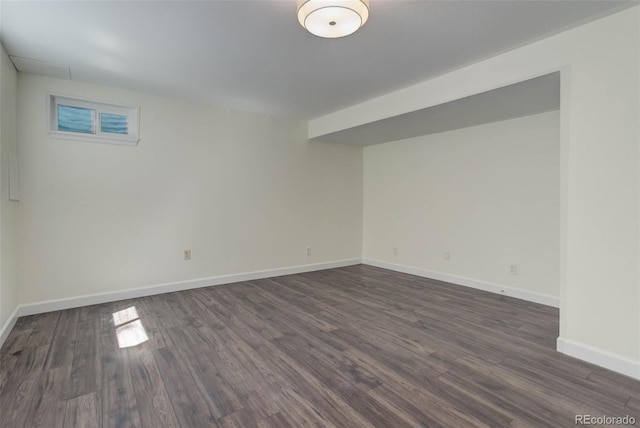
(308, 251)
(395, 251)
(187, 254)
(447, 255)
(513, 269)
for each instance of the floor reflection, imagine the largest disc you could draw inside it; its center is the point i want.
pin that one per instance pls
(124, 316)
(129, 329)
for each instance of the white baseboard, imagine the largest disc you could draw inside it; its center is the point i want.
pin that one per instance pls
(112, 296)
(583, 352)
(8, 325)
(595, 356)
(517, 293)
(599, 357)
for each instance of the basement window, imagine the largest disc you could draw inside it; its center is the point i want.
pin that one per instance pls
(93, 121)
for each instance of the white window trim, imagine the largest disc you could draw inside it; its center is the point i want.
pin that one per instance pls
(132, 113)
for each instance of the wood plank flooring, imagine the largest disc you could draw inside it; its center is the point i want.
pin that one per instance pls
(350, 347)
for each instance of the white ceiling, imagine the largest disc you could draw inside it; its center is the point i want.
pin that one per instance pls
(254, 56)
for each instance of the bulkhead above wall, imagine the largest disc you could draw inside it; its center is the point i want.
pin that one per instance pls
(533, 96)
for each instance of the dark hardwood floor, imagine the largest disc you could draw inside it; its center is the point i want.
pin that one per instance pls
(350, 347)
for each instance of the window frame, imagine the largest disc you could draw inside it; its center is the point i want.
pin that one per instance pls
(132, 113)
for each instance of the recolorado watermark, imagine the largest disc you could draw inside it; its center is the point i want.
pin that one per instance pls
(604, 420)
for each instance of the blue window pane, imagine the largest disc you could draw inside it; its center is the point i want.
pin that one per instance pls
(114, 124)
(75, 119)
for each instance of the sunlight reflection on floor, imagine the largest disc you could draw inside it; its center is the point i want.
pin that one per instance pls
(130, 331)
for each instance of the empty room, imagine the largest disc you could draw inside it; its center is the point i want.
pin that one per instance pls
(319, 213)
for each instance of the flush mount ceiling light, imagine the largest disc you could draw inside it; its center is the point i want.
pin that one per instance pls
(333, 18)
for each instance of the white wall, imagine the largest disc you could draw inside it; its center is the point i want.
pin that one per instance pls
(244, 192)
(8, 209)
(489, 194)
(599, 171)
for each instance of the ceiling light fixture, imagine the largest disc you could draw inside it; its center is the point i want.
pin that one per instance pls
(333, 18)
